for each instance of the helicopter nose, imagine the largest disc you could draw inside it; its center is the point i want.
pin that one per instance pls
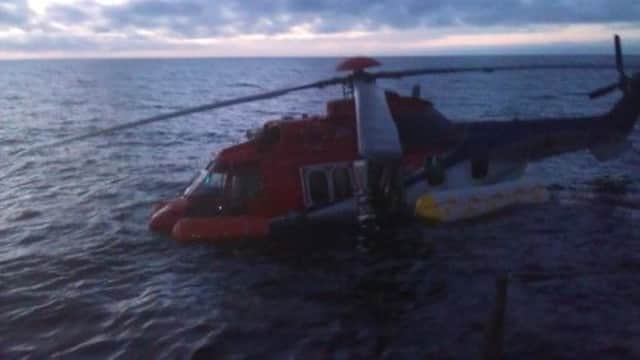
(166, 215)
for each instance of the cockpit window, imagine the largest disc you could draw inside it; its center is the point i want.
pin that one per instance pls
(244, 187)
(207, 183)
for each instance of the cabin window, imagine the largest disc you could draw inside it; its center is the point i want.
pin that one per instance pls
(342, 187)
(479, 168)
(327, 183)
(318, 187)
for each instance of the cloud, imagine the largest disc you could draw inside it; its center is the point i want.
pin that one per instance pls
(69, 14)
(280, 16)
(173, 16)
(14, 13)
(163, 25)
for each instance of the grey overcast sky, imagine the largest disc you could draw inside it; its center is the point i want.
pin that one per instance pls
(131, 28)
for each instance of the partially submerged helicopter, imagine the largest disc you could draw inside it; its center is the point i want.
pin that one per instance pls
(376, 156)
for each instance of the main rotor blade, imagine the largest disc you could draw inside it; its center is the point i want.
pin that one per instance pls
(488, 69)
(378, 137)
(193, 110)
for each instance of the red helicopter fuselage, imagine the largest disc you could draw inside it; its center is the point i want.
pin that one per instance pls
(289, 165)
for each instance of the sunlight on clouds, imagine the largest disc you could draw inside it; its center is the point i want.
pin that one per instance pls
(569, 34)
(301, 41)
(40, 6)
(149, 28)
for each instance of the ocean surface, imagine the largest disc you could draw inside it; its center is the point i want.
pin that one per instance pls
(81, 277)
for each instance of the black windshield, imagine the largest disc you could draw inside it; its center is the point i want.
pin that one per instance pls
(207, 183)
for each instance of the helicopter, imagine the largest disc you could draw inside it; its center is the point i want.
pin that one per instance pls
(377, 156)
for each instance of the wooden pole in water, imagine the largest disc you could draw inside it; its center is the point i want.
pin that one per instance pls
(495, 327)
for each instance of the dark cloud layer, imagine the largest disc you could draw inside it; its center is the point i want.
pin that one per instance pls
(125, 26)
(205, 17)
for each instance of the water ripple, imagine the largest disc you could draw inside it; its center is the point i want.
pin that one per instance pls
(81, 277)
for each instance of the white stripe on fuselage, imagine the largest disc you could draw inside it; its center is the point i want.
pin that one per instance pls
(456, 177)
(459, 177)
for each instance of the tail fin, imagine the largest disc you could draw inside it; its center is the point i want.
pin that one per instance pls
(619, 122)
(615, 127)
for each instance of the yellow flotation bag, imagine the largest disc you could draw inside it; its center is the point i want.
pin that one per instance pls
(465, 203)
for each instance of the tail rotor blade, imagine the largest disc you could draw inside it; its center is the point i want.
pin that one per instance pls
(603, 91)
(622, 77)
(619, 61)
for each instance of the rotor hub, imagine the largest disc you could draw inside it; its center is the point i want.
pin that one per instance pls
(357, 64)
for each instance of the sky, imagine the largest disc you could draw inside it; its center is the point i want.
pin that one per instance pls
(193, 28)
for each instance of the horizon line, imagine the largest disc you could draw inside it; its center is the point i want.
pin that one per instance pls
(382, 56)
